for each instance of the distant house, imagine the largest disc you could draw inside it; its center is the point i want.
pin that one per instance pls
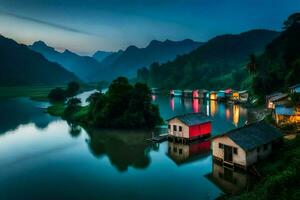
(186, 153)
(196, 94)
(276, 99)
(235, 95)
(188, 93)
(240, 96)
(189, 127)
(221, 95)
(228, 93)
(176, 93)
(286, 115)
(295, 88)
(202, 93)
(244, 146)
(213, 95)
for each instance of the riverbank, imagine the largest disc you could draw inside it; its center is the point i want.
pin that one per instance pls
(280, 175)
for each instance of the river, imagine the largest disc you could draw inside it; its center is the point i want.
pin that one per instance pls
(44, 157)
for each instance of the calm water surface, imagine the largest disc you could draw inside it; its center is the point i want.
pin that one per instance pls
(43, 157)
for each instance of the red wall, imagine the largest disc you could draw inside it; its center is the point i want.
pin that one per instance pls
(200, 130)
(200, 148)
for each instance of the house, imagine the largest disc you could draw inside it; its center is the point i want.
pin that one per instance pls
(243, 96)
(228, 93)
(221, 95)
(185, 153)
(189, 127)
(196, 94)
(202, 93)
(295, 88)
(286, 115)
(242, 147)
(187, 93)
(276, 99)
(176, 93)
(213, 95)
(235, 95)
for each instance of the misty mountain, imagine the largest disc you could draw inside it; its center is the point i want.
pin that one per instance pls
(128, 61)
(219, 63)
(21, 66)
(101, 55)
(83, 66)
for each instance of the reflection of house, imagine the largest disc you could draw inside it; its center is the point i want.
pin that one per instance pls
(184, 153)
(286, 115)
(276, 99)
(189, 126)
(243, 146)
(228, 180)
(295, 89)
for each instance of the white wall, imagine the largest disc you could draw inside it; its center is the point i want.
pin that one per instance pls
(185, 129)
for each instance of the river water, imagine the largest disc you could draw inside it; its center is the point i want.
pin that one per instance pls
(44, 157)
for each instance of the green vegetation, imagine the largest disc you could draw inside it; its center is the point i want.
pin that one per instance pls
(279, 66)
(219, 63)
(123, 106)
(280, 175)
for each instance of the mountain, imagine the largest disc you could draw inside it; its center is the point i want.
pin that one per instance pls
(101, 55)
(83, 66)
(126, 62)
(22, 66)
(219, 63)
(279, 66)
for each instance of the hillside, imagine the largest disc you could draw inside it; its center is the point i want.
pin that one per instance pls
(22, 66)
(219, 63)
(279, 66)
(83, 66)
(101, 55)
(126, 62)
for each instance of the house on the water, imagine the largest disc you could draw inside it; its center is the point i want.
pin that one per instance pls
(189, 127)
(186, 153)
(286, 115)
(176, 93)
(187, 93)
(221, 95)
(276, 99)
(240, 96)
(213, 95)
(295, 89)
(242, 147)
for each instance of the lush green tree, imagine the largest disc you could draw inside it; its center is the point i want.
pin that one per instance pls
(72, 89)
(252, 64)
(73, 105)
(292, 20)
(57, 95)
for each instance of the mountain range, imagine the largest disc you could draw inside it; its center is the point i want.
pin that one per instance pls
(219, 63)
(22, 66)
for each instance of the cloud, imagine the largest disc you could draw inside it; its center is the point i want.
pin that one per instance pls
(54, 25)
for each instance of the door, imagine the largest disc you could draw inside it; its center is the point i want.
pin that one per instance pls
(228, 153)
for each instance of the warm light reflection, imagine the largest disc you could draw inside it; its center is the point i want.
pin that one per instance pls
(236, 114)
(172, 104)
(213, 107)
(153, 97)
(195, 94)
(196, 105)
(227, 113)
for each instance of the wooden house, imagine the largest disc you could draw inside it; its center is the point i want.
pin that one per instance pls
(189, 127)
(243, 96)
(295, 89)
(185, 153)
(286, 115)
(228, 93)
(213, 95)
(276, 99)
(235, 95)
(242, 147)
(221, 95)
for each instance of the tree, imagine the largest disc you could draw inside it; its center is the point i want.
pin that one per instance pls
(57, 95)
(252, 65)
(72, 89)
(72, 106)
(292, 20)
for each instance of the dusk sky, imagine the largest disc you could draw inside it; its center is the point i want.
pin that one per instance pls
(85, 26)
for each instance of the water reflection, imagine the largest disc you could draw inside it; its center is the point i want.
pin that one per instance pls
(186, 153)
(236, 115)
(230, 181)
(74, 129)
(123, 148)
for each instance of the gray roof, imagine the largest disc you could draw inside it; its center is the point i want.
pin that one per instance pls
(254, 135)
(278, 97)
(192, 118)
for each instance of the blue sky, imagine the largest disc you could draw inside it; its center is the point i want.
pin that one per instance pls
(85, 26)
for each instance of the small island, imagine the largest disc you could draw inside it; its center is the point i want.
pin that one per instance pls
(124, 106)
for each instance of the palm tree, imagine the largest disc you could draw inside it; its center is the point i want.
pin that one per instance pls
(252, 65)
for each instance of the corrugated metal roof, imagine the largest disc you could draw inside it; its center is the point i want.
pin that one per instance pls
(282, 110)
(278, 97)
(254, 135)
(192, 118)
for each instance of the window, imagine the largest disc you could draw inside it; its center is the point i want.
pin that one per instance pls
(174, 128)
(221, 146)
(180, 151)
(169, 126)
(235, 150)
(265, 147)
(180, 128)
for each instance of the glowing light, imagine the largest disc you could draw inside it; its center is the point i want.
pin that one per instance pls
(196, 105)
(213, 108)
(172, 104)
(236, 114)
(227, 113)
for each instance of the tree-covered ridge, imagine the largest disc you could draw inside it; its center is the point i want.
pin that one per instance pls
(21, 66)
(219, 63)
(279, 66)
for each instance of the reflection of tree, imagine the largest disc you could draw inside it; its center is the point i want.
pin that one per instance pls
(123, 148)
(74, 129)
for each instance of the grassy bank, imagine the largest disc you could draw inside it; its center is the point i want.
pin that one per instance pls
(280, 175)
(58, 109)
(38, 92)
